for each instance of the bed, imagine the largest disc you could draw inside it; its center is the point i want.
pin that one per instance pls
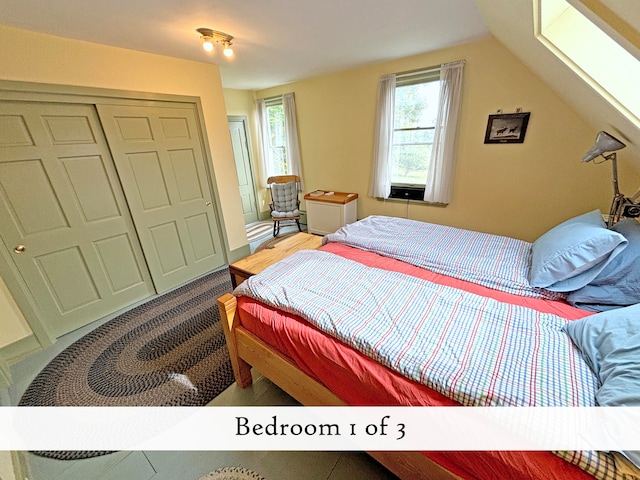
(394, 312)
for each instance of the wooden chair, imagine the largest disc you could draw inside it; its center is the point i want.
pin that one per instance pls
(285, 205)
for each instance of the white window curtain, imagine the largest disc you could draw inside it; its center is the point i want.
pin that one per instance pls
(380, 185)
(291, 133)
(291, 130)
(264, 148)
(439, 185)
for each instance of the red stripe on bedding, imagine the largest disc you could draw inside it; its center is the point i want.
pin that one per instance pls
(492, 382)
(341, 368)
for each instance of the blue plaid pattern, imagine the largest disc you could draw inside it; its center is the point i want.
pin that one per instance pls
(453, 341)
(494, 261)
(475, 350)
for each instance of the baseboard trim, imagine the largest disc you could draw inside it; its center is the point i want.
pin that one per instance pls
(20, 349)
(20, 464)
(239, 253)
(262, 216)
(5, 374)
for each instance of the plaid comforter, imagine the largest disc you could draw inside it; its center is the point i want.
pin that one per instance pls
(475, 350)
(494, 261)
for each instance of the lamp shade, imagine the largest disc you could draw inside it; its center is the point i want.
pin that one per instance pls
(604, 143)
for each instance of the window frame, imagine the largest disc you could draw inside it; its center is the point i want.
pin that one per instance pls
(554, 18)
(412, 191)
(273, 156)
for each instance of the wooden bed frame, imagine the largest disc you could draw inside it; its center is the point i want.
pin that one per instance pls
(246, 351)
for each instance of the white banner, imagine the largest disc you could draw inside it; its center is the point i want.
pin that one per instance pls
(319, 428)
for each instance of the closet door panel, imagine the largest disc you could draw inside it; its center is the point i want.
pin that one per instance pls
(92, 188)
(63, 218)
(159, 157)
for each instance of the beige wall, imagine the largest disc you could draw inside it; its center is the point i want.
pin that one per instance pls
(33, 57)
(240, 102)
(518, 190)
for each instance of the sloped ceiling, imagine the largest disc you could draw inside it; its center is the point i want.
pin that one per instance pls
(512, 23)
(276, 41)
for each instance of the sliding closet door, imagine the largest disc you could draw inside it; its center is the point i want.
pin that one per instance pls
(63, 218)
(158, 155)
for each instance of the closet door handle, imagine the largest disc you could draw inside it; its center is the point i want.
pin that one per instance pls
(208, 204)
(19, 248)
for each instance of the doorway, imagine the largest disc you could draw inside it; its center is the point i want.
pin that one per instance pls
(238, 128)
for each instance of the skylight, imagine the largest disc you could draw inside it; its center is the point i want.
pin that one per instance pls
(599, 60)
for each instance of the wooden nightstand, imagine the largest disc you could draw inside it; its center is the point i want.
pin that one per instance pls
(248, 266)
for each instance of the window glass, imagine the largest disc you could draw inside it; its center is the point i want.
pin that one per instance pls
(277, 137)
(416, 109)
(590, 52)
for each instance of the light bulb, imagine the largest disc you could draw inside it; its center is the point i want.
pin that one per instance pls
(228, 51)
(207, 44)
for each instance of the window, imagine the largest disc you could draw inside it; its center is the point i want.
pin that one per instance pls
(591, 53)
(415, 134)
(279, 148)
(277, 156)
(415, 113)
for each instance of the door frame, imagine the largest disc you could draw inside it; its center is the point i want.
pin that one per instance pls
(245, 123)
(49, 93)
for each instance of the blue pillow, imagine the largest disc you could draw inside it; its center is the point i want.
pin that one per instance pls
(573, 253)
(618, 284)
(610, 344)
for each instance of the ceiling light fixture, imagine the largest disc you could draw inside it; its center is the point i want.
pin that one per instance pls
(211, 37)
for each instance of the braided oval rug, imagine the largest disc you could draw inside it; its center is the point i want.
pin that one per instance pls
(233, 473)
(169, 351)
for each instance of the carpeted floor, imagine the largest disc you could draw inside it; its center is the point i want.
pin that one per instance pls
(169, 351)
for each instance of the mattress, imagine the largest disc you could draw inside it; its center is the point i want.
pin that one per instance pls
(358, 380)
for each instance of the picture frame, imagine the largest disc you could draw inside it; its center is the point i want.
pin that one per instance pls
(507, 128)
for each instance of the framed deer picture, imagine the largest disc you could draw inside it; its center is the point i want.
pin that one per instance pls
(507, 128)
